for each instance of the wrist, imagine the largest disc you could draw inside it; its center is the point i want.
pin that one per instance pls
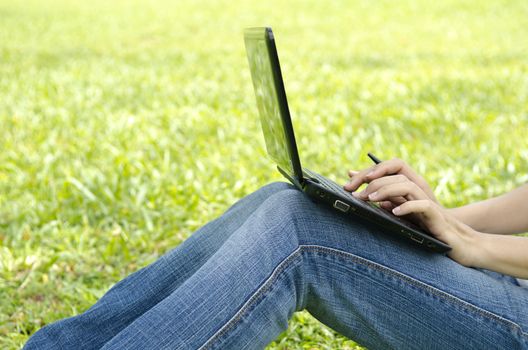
(483, 252)
(478, 246)
(468, 249)
(457, 213)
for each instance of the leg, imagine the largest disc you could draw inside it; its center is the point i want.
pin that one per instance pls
(140, 291)
(293, 254)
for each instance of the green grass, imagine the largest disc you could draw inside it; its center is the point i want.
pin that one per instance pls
(126, 125)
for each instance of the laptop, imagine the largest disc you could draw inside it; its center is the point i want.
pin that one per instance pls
(282, 148)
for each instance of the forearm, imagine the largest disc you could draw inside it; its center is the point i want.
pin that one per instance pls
(500, 215)
(504, 254)
(475, 215)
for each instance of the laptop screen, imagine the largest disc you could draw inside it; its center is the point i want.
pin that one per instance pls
(268, 102)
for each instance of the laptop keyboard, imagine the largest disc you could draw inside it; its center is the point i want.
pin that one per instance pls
(334, 187)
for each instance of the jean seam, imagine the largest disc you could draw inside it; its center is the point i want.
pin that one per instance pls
(253, 298)
(261, 297)
(283, 265)
(413, 282)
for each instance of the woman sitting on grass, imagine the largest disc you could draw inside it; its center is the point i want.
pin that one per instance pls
(235, 283)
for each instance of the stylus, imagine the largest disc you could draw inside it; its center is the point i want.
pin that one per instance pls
(374, 158)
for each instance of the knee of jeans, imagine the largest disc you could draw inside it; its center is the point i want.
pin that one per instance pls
(274, 228)
(288, 207)
(274, 187)
(47, 337)
(307, 219)
(262, 194)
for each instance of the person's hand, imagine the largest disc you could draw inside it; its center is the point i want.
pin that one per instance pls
(445, 227)
(390, 184)
(390, 167)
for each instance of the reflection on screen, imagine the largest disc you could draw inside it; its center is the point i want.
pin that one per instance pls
(267, 101)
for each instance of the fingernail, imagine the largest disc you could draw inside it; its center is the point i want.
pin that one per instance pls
(373, 195)
(396, 210)
(363, 194)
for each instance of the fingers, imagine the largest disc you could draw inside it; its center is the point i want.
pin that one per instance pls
(427, 213)
(422, 206)
(357, 178)
(389, 167)
(396, 201)
(352, 173)
(392, 202)
(378, 183)
(388, 205)
(396, 187)
(408, 190)
(398, 166)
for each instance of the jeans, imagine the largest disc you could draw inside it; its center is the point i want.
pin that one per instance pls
(236, 282)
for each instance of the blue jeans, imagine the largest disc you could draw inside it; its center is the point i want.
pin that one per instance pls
(235, 283)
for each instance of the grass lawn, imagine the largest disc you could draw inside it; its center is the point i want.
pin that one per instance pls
(126, 125)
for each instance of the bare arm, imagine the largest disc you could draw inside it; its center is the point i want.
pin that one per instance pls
(504, 254)
(500, 215)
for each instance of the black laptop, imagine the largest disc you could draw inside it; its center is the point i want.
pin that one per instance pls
(280, 143)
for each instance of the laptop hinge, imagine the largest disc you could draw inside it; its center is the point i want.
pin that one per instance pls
(298, 183)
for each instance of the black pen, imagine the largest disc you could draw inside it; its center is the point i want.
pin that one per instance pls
(374, 158)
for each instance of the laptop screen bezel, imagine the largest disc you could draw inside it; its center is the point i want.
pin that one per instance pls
(257, 34)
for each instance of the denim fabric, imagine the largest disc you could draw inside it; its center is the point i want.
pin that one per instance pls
(235, 283)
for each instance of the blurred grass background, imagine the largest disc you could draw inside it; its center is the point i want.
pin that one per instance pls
(126, 125)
